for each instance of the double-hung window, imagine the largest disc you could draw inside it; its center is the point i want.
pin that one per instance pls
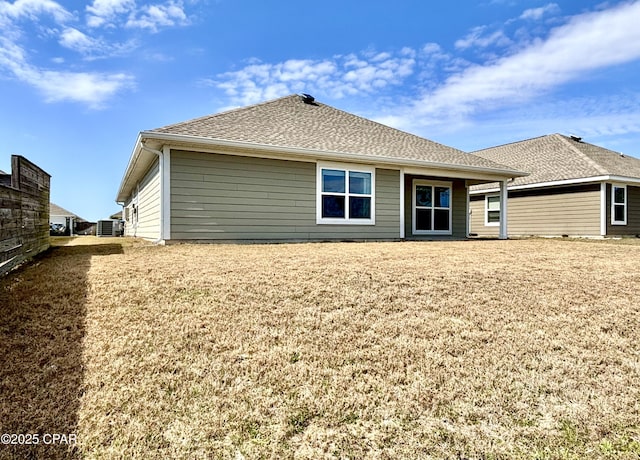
(619, 205)
(431, 208)
(492, 210)
(345, 194)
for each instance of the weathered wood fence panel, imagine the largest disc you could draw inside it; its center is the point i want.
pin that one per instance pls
(24, 213)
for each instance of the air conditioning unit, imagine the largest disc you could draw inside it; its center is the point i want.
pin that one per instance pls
(108, 228)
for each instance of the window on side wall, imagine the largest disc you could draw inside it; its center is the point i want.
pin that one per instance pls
(492, 210)
(345, 194)
(619, 205)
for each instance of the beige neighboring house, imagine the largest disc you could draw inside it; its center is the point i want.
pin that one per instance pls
(294, 169)
(574, 189)
(61, 220)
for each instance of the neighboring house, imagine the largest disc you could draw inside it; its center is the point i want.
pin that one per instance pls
(294, 169)
(63, 222)
(574, 189)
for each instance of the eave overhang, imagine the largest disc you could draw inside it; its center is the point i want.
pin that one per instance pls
(563, 183)
(142, 159)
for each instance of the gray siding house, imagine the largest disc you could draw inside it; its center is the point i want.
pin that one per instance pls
(574, 189)
(293, 169)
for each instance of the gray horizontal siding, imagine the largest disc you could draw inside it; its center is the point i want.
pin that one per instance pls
(573, 211)
(227, 197)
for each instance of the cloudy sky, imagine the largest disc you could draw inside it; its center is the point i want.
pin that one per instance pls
(78, 81)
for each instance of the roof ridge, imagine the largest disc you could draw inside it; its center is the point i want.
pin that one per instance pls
(243, 108)
(586, 157)
(509, 143)
(224, 112)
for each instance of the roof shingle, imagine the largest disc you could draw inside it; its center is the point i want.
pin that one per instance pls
(556, 158)
(55, 210)
(290, 122)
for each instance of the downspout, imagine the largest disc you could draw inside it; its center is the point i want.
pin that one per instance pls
(402, 198)
(161, 168)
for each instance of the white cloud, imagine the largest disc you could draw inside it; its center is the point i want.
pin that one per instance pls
(432, 48)
(74, 39)
(258, 81)
(114, 13)
(337, 77)
(477, 38)
(535, 14)
(33, 8)
(102, 12)
(10, 53)
(89, 87)
(153, 16)
(303, 69)
(585, 43)
(92, 88)
(380, 57)
(429, 89)
(92, 48)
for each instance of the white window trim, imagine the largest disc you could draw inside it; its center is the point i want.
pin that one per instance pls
(486, 211)
(614, 204)
(432, 183)
(347, 167)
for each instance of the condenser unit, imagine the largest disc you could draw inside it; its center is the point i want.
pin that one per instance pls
(108, 228)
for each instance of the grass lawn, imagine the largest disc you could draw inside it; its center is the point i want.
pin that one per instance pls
(471, 349)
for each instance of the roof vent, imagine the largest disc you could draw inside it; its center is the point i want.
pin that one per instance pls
(576, 138)
(307, 98)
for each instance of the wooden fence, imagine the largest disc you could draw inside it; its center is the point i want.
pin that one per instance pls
(24, 213)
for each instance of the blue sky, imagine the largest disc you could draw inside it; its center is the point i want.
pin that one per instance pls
(78, 81)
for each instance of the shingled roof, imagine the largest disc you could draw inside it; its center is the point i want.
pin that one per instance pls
(291, 122)
(556, 157)
(55, 210)
(293, 128)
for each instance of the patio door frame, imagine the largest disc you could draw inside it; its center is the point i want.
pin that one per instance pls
(414, 207)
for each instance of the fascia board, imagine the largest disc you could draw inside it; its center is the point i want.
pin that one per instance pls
(624, 180)
(136, 168)
(133, 159)
(584, 180)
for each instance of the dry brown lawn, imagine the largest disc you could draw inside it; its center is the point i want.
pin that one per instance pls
(472, 349)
